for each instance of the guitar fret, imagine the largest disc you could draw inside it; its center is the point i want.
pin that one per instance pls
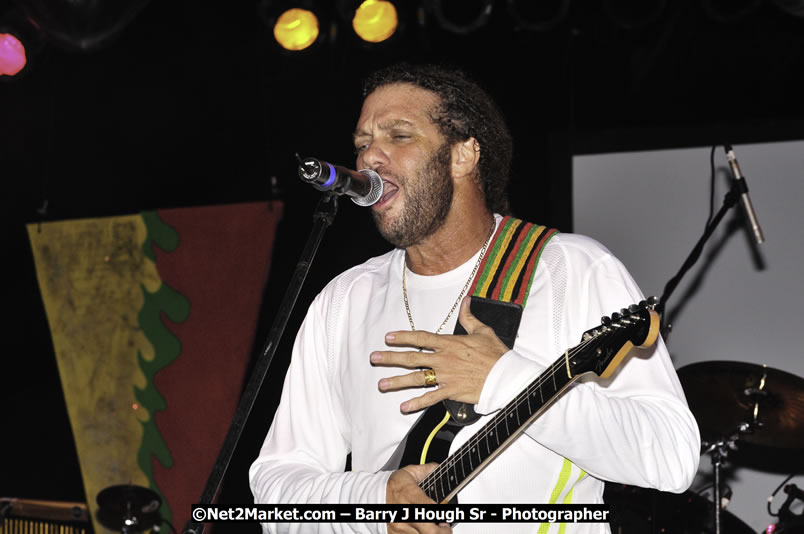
(523, 413)
(510, 416)
(428, 487)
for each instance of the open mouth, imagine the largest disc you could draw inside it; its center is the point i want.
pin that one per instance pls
(389, 192)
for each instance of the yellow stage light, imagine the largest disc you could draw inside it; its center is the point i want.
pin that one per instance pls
(375, 20)
(296, 29)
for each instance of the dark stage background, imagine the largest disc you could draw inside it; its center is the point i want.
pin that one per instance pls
(191, 104)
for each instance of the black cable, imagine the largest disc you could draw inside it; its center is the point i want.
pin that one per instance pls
(711, 185)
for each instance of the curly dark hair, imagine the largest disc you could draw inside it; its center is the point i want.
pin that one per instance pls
(465, 110)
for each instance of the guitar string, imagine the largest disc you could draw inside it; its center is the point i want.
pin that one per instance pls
(550, 373)
(555, 369)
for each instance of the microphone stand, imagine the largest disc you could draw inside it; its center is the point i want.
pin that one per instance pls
(729, 201)
(323, 217)
(719, 448)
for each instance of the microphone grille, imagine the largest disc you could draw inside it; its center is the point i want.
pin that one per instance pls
(376, 189)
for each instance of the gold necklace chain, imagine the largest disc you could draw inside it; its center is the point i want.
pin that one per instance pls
(463, 291)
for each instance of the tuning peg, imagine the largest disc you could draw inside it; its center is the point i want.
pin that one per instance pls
(605, 320)
(652, 302)
(633, 308)
(615, 317)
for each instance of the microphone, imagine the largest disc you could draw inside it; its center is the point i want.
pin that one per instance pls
(744, 198)
(365, 187)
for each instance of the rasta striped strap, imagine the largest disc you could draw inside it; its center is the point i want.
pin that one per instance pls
(500, 288)
(507, 270)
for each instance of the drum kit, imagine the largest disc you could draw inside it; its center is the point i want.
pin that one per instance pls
(739, 406)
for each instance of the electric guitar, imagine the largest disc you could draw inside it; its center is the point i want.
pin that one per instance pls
(600, 352)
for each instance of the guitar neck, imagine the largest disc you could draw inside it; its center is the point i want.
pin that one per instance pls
(465, 463)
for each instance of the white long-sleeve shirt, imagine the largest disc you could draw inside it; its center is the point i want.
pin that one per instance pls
(634, 428)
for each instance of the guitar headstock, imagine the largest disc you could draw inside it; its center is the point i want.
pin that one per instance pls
(602, 348)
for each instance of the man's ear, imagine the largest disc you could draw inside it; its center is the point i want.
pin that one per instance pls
(465, 158)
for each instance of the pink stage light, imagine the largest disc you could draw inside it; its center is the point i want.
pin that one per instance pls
(12, 55)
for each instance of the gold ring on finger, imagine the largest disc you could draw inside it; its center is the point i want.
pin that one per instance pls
(430, 378)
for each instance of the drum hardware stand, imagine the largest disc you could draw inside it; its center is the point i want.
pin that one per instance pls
(323, 217)
(720, 448)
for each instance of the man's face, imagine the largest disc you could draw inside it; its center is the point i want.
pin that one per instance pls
(396, 138)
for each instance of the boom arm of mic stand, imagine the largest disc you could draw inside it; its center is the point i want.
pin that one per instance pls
(323, 217)
(729, 201)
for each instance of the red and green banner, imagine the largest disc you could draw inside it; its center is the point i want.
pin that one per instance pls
(153, 319)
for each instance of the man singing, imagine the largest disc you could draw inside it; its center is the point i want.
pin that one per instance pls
(377, 346)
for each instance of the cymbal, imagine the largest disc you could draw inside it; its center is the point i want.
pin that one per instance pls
(129, 506)
(724, 394)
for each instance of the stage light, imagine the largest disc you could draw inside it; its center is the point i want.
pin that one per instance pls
(461, 16)
(375, 20)
(296, 29)
(20, 43)
(12, 55)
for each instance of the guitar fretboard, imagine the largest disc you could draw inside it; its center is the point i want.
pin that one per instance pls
(455, 471)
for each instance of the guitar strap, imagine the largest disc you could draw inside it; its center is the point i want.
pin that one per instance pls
(499, 293)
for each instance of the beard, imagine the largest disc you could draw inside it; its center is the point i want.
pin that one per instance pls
(428, 198)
